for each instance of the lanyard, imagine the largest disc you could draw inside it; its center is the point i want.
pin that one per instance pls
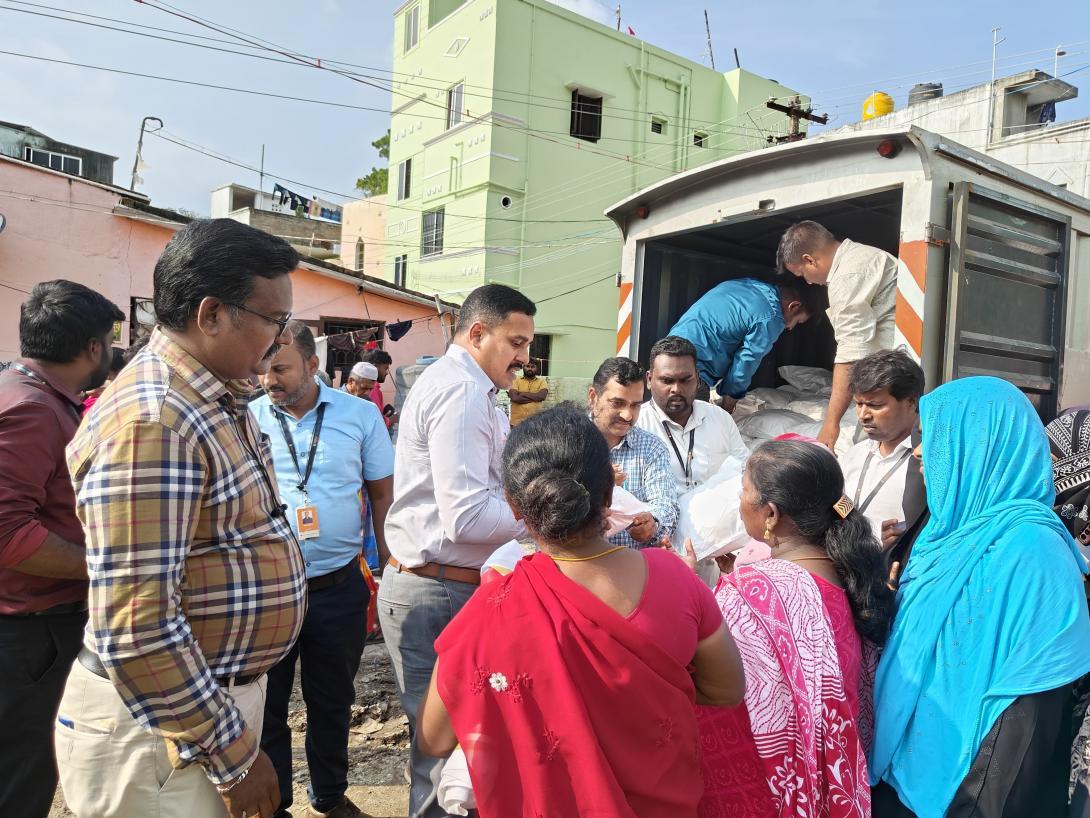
(863, 476)
(303, 476)
(34, 376)
(686, 462)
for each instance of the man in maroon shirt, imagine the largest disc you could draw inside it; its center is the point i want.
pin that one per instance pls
(65, 331)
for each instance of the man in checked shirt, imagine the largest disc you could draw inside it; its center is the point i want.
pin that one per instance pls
(197, 584)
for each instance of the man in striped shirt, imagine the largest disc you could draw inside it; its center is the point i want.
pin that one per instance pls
(197, 584)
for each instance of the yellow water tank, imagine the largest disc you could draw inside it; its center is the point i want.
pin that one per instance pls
(876, 105)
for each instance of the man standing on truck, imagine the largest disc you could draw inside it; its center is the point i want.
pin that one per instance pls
(734, 325)
(862, 282)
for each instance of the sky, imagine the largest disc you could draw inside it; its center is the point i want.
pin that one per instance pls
(837, 51)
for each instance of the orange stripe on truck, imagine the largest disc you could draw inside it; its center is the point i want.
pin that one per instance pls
(910, 325)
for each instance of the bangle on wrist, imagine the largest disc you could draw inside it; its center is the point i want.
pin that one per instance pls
(222, 789)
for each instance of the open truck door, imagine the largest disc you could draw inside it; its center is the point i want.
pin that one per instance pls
(1007, 290)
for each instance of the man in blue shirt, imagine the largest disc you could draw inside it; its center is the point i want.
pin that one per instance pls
(734, 325)
(329, 448)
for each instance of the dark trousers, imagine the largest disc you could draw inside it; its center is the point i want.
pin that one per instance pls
(1020, 770)
(328, 652)
(36, 653)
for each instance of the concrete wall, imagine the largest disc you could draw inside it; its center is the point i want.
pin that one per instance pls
(523, 200)
(98, 167)
(60, 227)
(1059, 152)
(318, 297)
(365, 221)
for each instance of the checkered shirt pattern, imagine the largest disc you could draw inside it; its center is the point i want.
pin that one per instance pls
(195, 574)
(644, 458)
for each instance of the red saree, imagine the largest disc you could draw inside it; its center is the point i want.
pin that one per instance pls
(563, 708)
(793, 748)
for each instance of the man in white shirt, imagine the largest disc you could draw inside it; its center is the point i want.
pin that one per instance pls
(698, 435)
(879, 472)
(862, 282)
(449, 512)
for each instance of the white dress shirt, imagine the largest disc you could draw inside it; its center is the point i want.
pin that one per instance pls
(862, 300)
(448, 504)
(714, 434)
(861, 478)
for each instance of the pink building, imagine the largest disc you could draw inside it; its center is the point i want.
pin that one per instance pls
(107, 237)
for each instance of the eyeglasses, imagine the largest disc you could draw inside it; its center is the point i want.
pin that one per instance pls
(281, 323)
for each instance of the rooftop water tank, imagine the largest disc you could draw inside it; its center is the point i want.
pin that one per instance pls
(876, 105)
(924, 91)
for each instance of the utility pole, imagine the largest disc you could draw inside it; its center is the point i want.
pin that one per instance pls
(991, 86)
(737, 62)
(796, 113)
(261, 173)
(708, 31)
(140, 146)
(618, 13)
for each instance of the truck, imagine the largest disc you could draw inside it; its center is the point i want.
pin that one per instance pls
(994, 262)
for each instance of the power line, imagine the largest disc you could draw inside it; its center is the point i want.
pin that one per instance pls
(213, 155)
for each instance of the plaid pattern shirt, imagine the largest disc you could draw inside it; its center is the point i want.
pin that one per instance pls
(195, 574)
(644, 458)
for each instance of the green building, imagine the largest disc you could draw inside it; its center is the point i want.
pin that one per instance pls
(514, 124)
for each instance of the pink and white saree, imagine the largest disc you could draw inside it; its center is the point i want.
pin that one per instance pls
(793, 748)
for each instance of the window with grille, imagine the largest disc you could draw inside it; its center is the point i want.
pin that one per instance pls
(586, 117)
(359, 255)
(658, 126)
(54, 161)
(404, 179)
(540, 351)
(454, 104)
(431, 233)
(700, 140)
(412, 27)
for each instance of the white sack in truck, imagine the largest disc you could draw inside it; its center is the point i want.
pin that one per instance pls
(809, 379)
(769, 424)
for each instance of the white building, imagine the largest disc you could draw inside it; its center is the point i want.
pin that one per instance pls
(1013, 121)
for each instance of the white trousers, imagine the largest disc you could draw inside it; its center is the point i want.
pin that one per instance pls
(111, 767)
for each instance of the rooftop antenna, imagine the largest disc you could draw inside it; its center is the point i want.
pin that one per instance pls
(708, 31)
(618, 13)
(996, 41)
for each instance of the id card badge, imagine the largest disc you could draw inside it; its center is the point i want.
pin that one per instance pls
(306, 519)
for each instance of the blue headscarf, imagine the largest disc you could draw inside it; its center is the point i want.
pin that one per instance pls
(991, 604)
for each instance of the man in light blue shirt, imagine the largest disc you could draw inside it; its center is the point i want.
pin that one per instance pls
(735, 324)
(329, 449)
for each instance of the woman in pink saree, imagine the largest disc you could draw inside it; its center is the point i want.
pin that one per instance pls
(796, 745)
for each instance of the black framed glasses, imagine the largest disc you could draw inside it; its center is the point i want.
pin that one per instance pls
(281, 323)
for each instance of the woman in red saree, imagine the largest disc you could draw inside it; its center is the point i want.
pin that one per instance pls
(796, 746)
(567, 683)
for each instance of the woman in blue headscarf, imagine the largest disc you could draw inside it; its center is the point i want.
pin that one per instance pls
(973, 692)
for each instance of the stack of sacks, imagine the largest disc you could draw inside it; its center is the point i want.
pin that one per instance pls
(798, 407)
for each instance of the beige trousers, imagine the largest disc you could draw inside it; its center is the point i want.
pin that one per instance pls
(111, 767)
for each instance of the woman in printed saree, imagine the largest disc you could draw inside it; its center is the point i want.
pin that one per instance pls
(1069, 440)
(973, 692)
(570, 684)
(799, 618)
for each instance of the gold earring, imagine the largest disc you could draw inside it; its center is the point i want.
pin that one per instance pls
(770, 538)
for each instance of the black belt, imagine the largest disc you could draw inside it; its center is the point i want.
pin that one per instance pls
(90, 660)
(334, 577)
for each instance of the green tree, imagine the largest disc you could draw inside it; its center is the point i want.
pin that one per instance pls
(375, 182)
